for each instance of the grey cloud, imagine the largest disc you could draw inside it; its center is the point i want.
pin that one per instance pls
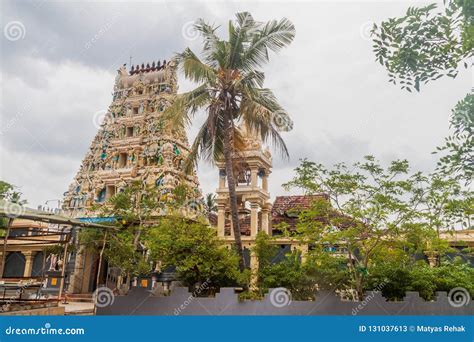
(339, 97)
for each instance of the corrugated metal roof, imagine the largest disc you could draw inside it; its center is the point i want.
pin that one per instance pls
(13, 210)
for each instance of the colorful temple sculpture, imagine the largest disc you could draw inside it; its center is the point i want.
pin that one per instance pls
(134, 143)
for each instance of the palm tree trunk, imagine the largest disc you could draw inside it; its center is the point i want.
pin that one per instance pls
(4, 253)
(228, 149)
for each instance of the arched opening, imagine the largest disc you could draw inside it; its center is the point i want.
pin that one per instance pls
(14, 265)
(38, 265)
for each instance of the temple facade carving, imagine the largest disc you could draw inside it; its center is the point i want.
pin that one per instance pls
(134, 142)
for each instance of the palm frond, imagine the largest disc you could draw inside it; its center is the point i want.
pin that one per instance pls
(208, 143)
(185, 106)
(194, 69)
(252, 79)
(212, 43)
(239, 35)
(262, 113)
(245, 20)
(247, 48)
(208, 32)
(273, 36)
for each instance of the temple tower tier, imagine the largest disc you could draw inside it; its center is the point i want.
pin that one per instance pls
(252, 167)
(134, 143)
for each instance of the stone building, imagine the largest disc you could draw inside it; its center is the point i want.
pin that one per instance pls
(25, 257)
(252, 168)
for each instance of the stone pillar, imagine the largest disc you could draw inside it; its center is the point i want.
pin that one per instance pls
(254, 177)
(29, 256)
(220, 220)
(253, 219)
(221, 181)
(75, 283)
(266, 221)
(265, 182)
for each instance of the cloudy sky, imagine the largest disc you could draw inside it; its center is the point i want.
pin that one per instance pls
(59, 60)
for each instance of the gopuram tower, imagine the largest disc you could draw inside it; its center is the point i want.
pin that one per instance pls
(134, 142)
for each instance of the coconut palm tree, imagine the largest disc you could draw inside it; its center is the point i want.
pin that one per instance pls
(230, 90)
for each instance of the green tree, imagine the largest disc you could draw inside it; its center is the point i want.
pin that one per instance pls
(117, 247)
(447, 204)
(133, 209)
(398, 278)
(452, 274)
(9, 192)
(425, 45)
(366, 210)
(458, 149)
(135, 206)
(230, 89)
(370, 214)
(301, 278)
(195, 250)
(393, 278)
(422, 239)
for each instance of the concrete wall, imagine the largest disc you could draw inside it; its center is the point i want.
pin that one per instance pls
(140, 301)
